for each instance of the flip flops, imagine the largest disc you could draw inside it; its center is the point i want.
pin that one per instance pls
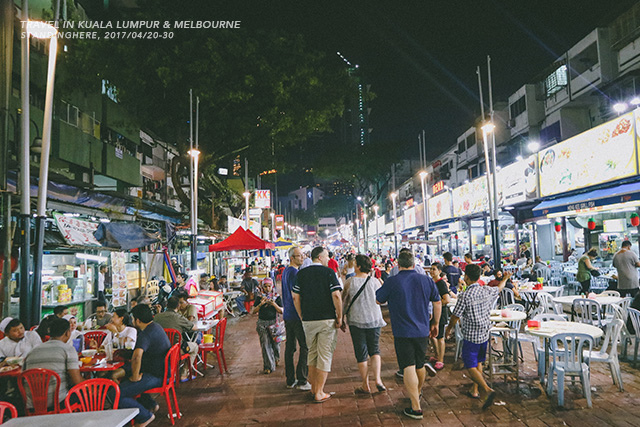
(489, 401)
(381, 388)
(473, 396)
(324, 399)
(360, 390)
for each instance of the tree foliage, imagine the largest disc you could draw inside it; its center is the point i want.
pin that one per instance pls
(263, 91)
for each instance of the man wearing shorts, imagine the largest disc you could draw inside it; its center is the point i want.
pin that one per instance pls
(474, 307)
(317, 296)
(408, 294)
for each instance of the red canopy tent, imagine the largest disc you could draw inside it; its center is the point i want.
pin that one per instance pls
(241, 240)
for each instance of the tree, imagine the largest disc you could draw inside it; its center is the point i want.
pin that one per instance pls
(261, 91)
(335, 207)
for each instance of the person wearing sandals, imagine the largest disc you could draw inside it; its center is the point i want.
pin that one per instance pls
(365, 320)
(268, 305)
(445, 296)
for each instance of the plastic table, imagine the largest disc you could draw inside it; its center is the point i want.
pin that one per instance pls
(111, 418)
(548, 329)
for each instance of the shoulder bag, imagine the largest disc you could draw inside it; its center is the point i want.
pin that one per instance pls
(355, 297)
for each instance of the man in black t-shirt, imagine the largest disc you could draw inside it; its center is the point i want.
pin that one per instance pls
(318, 301)
(453, 273)
(147, 365)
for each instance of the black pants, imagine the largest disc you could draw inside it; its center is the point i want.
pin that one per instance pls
(628, 292)
(295, 333)
(586, 286)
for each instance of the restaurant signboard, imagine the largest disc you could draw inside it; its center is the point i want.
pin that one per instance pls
(602, 154)
(440, 207)
(471, 198)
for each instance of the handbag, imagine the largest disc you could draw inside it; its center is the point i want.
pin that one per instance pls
(277, 331)
(595, 273)
(355, 297)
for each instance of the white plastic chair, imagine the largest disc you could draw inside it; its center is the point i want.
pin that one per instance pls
(607, 355)
(610, 294)
(459, 338)
(506, 297)
(599, 283)
(539, 343)
(587, 311)
(548, 305)
(634, 315)
(567, 355)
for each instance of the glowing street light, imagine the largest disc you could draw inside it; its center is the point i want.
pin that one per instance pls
(533, 146)
(620, 107)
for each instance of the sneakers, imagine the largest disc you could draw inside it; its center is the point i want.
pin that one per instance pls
(304, 387)
(430, 369)
(295, 383)
(416, 415)
(399, 374)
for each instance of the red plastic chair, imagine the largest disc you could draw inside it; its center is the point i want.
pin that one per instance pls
(6, 406)
(169, 380)
(91, 395)
(175, 337)
(1, 335)
(38, 380)
(98, 336)
(33, 328)
(217, 346)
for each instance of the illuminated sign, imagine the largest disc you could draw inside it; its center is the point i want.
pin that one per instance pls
(602, 154)
(263, 199)
(437, 187)
(279, 222)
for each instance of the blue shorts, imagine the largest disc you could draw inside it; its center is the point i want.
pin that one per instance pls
(473, 353)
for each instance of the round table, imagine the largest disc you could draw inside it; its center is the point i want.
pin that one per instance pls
(530, 295)
(548, 329)
(514, 316)
(603, 300)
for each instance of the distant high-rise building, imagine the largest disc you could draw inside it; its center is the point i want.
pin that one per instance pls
(355, 120)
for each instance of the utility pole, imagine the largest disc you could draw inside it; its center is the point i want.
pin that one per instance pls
(495, 226)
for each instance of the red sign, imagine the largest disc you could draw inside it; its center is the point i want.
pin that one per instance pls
(436, 164)
(437, 187)
(409, 202)
(279, 222)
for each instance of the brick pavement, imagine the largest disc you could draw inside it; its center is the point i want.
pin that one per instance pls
(245, 396)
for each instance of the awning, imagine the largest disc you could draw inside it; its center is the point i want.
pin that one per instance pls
(606, 196)
(241, 240)
(125, 236)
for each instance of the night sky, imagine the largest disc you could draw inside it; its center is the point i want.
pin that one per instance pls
(420, 56)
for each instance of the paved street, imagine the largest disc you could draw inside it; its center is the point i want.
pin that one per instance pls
(247, 397)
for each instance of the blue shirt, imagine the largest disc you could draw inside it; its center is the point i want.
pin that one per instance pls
(408, 294)
(453, 277)
(288, 280)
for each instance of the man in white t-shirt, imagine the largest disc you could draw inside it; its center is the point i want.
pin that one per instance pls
(101, 276)
(18, 342)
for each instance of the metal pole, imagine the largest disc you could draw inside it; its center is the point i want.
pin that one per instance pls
(25, 181)
(43, 183)
(425, 207)
(365, 230)
(246, 193)
(395, 223)
(424, 149)
(495, 223)
(194, 255)
(377, 231)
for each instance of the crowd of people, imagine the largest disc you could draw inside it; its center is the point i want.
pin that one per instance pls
(324, 293)
(136, 337)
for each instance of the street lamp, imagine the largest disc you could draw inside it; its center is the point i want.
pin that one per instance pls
(40, 30)
(533, 146)
(493, 201)
(273, 226)
(394, 196)
(365, 230)
(286, 227)
(194, 154)
(620, 107)
(246, 195)
(375, 210)
(423, 179)
(358, 234)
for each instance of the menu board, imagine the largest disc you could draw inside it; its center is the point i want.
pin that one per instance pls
(409, 218)
(118, 279)
(518, 182)
(440, 207)
(602, 154)
(471, 198)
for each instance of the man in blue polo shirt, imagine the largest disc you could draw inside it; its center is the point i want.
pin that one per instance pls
(293, 325)
(408, 294)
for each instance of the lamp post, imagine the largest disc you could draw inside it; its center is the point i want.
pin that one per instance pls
(194, 153)
(394, 196)
(246, 195)
(492, 188)
(41, 30)
(365, 230)
(273, 226)
(375, 211)
(286, 233)
(425, 208)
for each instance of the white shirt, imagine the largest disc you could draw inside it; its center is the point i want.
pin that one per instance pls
(10, 348)
(129, 334)
(100, 282)
(306, 263)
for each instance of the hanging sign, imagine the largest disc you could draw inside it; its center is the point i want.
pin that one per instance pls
(279, 222)
(77, 232)
(263, 199)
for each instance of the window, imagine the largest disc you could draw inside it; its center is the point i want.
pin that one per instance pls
(584, 60)
(473, 171)
(556, 81)
(518, 107)
(461, 147)
(471, 140)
